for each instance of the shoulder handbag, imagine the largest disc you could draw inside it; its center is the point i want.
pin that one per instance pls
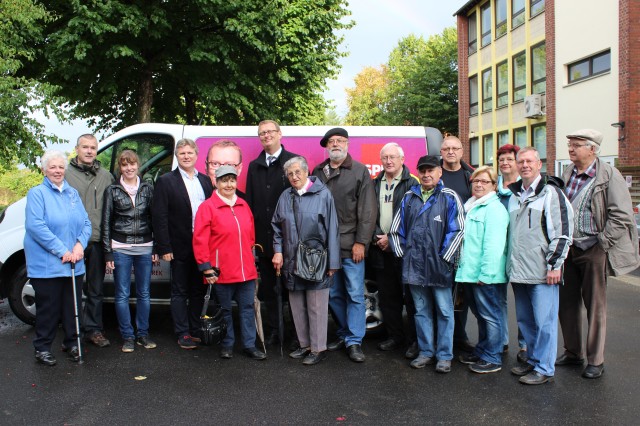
(310, 262)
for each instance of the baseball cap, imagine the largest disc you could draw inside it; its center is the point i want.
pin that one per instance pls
(226, 170)
(428, 161)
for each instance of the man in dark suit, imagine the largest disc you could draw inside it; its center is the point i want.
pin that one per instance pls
(265, 182)
(177, 196)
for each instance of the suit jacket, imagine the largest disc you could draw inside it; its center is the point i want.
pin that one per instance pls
(172, 216)
(264, 186)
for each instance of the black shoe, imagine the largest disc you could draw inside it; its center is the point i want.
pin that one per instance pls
(464, 345)
(147, 343)
(483, 367)
(187, 342)
(72, 353)
(314, 357)
(293, 345)
(566, 359)
(254, 353)
(412, 351)
(522, 356)
(336, 345)
(226, 353)
(272, 339)
(535, 378)
(522, 370)
(46, 358)
(593, 371)
(468, 359)
(388, 345)
(299, 353)
(355, 353)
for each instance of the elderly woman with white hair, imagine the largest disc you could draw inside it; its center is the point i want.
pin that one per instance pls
(57, 230)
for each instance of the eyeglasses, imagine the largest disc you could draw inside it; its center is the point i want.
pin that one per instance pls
(389, 158)
(267, 132)
(482, 181)
(215, 164)
(337, 141)
(576, 145)
(450, 149)
(297, 173)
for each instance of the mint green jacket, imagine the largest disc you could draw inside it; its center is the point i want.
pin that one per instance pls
(484, 248)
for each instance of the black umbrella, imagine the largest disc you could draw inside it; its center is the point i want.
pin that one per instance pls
(278, 290)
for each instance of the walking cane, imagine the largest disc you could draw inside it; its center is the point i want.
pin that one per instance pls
(75, 309)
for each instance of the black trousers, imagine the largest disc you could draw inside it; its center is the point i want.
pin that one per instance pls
(393, 296)
(267, 293)
(54, 303)
(95, 268)
(187, 296)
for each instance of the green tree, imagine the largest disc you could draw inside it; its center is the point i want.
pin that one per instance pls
(367, 99)
(331, 117)
(423, 82)
(120, 62)
(21, 135)
(15, 182)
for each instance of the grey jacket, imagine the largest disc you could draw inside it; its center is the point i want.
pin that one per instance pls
(540, 231)
(90, 182)
(355, 201)
(613, 214)
(316, 218)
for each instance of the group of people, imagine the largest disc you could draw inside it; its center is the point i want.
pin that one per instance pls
(451, 230)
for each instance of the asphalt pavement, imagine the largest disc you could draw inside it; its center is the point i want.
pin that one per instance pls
(169, 385)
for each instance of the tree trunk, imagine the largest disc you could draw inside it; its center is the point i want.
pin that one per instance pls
(145, 97)
(191, 112)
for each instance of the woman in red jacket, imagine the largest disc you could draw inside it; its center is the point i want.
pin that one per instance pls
(223, 237)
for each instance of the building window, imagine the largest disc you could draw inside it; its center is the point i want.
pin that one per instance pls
(589, 67)
(539, 142)
(501, 18)
(538, 69)
(502, 84)
(517, 13)
(503, 138)
(475, 155)
(487, 90)
(487, 150)
(473, 95)
(485, 24)
(473, 34)
(537, 7)
(520, 137)
(519, 76)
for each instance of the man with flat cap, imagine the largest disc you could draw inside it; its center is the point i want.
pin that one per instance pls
(355, 199)
(427, 234)
(605, 242)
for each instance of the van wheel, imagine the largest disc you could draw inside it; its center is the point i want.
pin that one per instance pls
(22, 297)
(375, 323)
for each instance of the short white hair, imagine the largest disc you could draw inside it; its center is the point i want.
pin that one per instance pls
(595, 146)
(52, 154)
(393, 145)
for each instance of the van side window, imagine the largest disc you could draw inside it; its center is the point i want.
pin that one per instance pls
(155, 152)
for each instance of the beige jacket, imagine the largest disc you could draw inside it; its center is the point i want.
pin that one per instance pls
(613, 214)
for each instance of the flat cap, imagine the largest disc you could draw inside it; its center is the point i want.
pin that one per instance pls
(428, 161)
(333, 132)
(588, 135)
(226, 170)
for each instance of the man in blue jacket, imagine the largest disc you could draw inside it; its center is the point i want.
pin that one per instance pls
(427, 233)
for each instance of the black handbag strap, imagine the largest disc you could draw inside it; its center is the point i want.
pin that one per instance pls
(207, 296)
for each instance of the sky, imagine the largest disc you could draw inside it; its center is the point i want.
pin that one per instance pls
(379, 25)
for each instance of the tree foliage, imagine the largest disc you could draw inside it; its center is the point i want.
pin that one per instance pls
(120, 62)
(21, 135)
(15, 182)
(418, 86)
(367, 100)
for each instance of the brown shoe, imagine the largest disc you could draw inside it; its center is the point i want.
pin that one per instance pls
(98, 339)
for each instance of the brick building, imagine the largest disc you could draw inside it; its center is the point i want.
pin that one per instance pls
(531, 71)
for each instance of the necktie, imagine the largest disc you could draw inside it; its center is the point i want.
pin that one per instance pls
(270, 160)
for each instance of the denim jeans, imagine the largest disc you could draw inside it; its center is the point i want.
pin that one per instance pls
(537, 313)
(430, 301)
(346, 300)
(122, 282)
(243, 294)
(486, 305)
(504, 312)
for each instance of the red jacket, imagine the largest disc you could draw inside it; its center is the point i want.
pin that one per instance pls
(224, 236)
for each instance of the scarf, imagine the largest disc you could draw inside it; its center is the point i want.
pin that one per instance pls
(473, 201)
(132, 190)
